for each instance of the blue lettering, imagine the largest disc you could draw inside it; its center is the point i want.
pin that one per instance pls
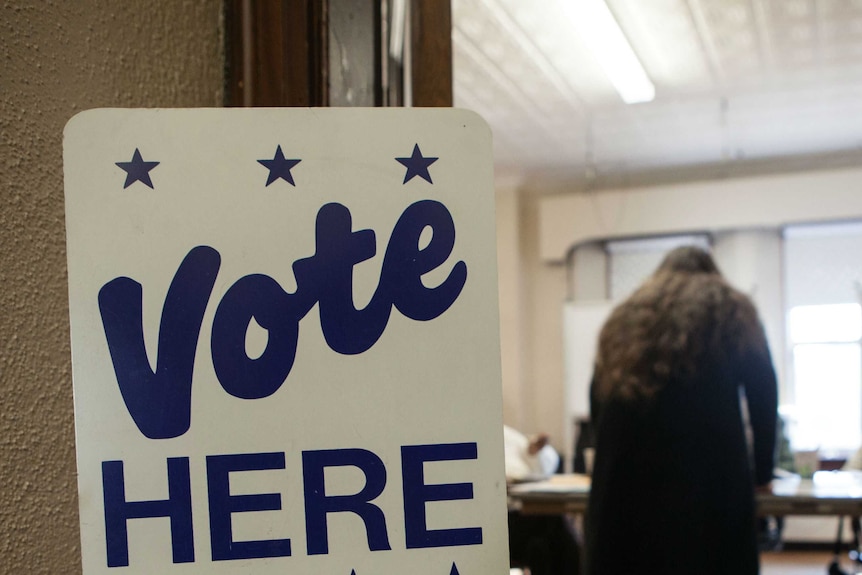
(318, 504)
(160, 402)
(178, 506)
(261, 297)
(222, 504)
(329, 273)
(405, 263)
(417, 493)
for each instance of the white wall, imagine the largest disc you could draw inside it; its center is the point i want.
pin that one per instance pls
(764, 202)
(509, 264)
(530, 320)
(588, 273)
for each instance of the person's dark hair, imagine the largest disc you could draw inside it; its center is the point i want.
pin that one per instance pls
(682, 317)
(688, 259)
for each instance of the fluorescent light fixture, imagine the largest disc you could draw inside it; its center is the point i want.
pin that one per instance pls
(600, 31)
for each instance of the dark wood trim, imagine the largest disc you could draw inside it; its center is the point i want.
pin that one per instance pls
(305, 60)
(318, 79)
(268, 53)
(380, 52)
(431, 52)
(234, 89)
(276, 53)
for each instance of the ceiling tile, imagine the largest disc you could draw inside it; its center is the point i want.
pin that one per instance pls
(735, 80)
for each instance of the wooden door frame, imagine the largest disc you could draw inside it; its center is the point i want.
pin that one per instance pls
(277, 53)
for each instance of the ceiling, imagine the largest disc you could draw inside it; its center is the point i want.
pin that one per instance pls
(741, 86)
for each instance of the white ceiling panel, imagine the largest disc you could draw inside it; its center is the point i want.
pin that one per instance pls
(736, 81)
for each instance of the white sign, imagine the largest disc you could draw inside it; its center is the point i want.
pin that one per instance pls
(285, 341)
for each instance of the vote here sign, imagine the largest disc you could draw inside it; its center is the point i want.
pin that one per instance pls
(285, 341)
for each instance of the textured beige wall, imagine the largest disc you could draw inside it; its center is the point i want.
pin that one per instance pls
(58, 58)
(542, 305)
(511, 314)
(532, 295)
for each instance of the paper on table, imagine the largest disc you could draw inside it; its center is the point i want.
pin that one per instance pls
(563, 483)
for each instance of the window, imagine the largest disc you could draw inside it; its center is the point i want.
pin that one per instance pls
(827, 371)
(823, 279)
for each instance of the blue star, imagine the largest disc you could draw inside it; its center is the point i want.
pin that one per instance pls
(417, 165)
(454, 570)
(137, 170)
(279, 167)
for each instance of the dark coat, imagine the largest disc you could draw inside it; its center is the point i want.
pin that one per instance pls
(673, 484)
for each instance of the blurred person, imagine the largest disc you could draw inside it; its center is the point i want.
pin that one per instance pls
(673, 479)
(540, 544)
(528, 457)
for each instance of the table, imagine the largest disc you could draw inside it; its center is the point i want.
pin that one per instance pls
(827, 493)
